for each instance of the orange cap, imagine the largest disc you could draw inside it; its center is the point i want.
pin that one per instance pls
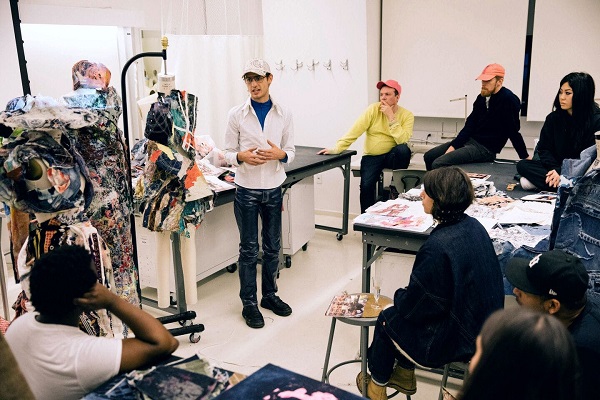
(490, 72)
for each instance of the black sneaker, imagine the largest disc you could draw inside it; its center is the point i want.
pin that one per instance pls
(253, 317)
(276, 305)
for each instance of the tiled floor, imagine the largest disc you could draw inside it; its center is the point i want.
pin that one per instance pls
(297, 342)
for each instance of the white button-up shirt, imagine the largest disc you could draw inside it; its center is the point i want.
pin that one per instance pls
(244, 132)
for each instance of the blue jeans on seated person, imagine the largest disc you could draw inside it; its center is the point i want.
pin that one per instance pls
(371, 168)
(248, 205)
(383, 355)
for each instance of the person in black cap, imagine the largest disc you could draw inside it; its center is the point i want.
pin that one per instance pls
(556, 283)
(388, 127)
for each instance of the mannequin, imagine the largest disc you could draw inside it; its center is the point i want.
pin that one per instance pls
(102, 146)
(596, 162)
(163, 254)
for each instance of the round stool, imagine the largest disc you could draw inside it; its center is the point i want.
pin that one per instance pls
(368, 318)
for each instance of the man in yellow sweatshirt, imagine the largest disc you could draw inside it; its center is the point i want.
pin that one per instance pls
(388, 127)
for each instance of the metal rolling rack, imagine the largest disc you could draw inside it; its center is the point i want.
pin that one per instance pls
(178, 309)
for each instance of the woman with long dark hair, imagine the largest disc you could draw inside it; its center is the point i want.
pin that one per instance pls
(568, 130)
(454, 286)
(523, 355)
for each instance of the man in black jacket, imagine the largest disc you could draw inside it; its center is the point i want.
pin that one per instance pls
(494, 120)
(557, 283)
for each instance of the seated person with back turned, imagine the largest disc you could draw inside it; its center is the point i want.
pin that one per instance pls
(455, 284)
(556, 283)
(568, 130)
(523, 355)
(494, 120)
(58, 360)
(389, 127)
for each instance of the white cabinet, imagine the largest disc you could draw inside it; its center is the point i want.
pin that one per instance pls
(298, 218)
(217, 239)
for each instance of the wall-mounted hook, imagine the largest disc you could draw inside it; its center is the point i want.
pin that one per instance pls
(299, 65)
(344, 65)
(312, 66)
(327, 65)
(279, 66)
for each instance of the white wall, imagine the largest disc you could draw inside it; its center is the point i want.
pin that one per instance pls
(10, 85)
(565, 39)
(324, 102)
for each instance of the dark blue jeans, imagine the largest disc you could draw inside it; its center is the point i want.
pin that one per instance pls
(371, 168)
(248, 205)
(383, 354)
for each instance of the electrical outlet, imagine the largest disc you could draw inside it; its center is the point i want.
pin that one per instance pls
(318, 179)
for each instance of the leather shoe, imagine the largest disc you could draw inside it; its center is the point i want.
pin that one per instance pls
(374, 391)
(403, 380)
(253, 317)
(276, 305)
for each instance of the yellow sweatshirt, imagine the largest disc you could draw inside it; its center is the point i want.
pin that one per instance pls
(381, 136)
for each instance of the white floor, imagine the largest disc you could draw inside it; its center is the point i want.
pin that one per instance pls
(297, 342)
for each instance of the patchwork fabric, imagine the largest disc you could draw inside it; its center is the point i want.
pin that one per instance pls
(88, 124)
(172, 191)
(35, 156)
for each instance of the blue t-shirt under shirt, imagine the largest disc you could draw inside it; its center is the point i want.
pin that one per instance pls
(261, 110)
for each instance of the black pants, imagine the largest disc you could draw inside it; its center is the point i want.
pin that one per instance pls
(535, 172)
(471, 152)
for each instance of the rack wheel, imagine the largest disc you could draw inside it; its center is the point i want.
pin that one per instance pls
(305, 247)
(231, 268)
(195, 337)
(339, 236)
(288, 261)
(184, 322)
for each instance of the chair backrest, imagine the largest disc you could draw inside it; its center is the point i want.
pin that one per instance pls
(406, 179)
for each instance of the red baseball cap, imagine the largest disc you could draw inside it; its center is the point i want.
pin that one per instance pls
(491, 71)
(390, 83)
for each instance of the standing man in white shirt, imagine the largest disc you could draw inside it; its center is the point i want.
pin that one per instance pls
(258, 140)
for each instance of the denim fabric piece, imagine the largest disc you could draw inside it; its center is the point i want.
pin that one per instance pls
(170, 166)
(578, 231)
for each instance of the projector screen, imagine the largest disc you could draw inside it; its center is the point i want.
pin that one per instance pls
(436, 49)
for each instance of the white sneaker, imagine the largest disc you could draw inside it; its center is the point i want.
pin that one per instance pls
(527, 185)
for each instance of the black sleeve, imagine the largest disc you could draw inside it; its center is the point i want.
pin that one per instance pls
(519, 144)
(470, 124)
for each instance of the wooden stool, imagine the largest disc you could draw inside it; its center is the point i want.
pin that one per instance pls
(369, 318)
(462, 366)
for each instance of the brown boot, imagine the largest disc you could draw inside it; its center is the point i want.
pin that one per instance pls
(403, 380)
(374, 391)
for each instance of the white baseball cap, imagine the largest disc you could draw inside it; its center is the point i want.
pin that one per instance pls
(258, 67)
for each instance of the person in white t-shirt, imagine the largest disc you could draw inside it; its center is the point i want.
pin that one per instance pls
(58, 360)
